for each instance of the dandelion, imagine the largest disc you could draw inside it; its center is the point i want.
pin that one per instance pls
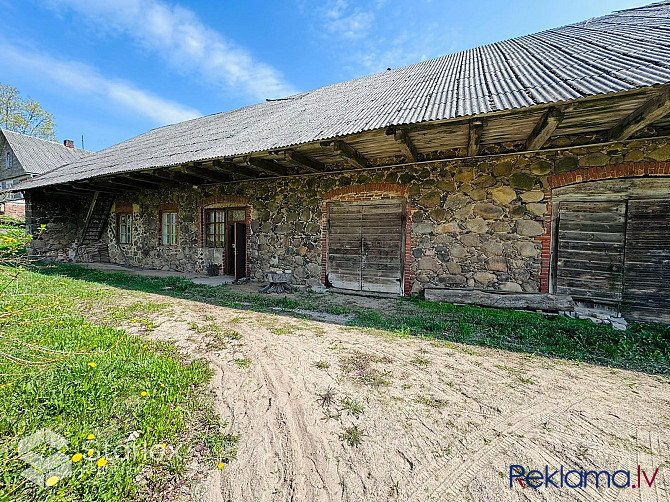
(52, 481)
(163, 385)
(90, 453)
(8, 307)
(102, 462)
(92, 365)
(84, 325)
(149, 339)
(163, 446)
(143, 393)
(77, 457)
(91, 436)
(133, 321)
(220, 466)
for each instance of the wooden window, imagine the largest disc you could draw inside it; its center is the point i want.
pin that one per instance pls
(215, 230)
(8, 160)
(169, 230)
(125, 228)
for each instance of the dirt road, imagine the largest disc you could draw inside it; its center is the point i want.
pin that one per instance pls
(333, 413)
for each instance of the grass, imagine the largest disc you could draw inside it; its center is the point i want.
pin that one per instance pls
(243, 363)
(101, 389)
(353, 435)
(351, 406)
(643, 347)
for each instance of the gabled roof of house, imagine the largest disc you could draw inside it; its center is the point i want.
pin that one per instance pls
(38, 156)
(622, 51)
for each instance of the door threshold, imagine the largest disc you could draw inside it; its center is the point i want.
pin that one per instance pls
(367, 294)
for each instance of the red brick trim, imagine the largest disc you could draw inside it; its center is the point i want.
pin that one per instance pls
(123, 207)
(627, 170)
(168, 207)
(228, 199)
(365, 192)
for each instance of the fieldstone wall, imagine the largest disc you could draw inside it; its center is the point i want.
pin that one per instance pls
(477, 222)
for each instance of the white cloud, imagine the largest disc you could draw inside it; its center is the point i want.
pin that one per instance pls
(177, 36)
(81, 78)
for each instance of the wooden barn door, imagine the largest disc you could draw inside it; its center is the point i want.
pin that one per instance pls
(365, 246)
(647, 269)
(590, 251)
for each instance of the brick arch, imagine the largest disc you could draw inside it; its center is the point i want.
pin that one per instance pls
(368, 192)
(233, 200)
(625, 170)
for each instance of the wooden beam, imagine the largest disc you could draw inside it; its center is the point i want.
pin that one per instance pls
(349, 154)
(475, 129)
(151, 178)
(127, 182)
(232, 168)
(302, 160)
(100, 187)
(651, 111)
(205, 173)
(266, 165)
(544, 128)
(405, 144)
(181, 177)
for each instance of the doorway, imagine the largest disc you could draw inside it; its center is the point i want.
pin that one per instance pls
(226, 238)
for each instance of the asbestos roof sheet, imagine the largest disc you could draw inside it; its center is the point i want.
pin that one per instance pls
(38, 156)
(618, 52)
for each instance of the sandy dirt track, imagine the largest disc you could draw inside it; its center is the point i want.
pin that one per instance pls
(441, 421)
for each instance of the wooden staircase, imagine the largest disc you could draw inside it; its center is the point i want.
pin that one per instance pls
(96, 222)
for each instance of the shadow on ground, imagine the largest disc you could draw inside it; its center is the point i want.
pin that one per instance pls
(643, 347)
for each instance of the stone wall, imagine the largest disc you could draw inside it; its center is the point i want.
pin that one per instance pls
(477, 222)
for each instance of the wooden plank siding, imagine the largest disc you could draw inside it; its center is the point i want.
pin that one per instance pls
(647, 268)
(591, 239)
(365, 246)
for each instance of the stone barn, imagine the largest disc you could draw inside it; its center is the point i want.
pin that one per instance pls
(537, 164)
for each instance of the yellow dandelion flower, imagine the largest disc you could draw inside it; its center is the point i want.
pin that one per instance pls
(102, 462)
(163, 385)
(163, 446)
(2, 386)
(150, 326)
(60, 322)
(220, 466)
(52, 480)
(84, 325)
(92, 365)
(143, 393)
(77, 457)
(91, 436)
(133, 321)
(90, 453)
(149, 339)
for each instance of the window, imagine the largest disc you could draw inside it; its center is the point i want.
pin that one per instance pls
(215, 230)
(8, 160)
(169, 228)
(125, 228)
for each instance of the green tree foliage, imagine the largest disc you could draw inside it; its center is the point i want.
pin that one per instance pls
(24, 115)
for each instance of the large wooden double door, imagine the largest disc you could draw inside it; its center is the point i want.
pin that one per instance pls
(366, 244)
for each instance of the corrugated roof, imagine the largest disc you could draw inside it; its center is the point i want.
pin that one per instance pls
(38, 156)
(621, 51)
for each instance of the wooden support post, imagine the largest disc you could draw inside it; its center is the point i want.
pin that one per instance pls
(651, 111)
(475, 129)
(544, 128)
(405, 144)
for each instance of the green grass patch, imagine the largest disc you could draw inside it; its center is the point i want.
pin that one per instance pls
(643, 347)
(129, 402)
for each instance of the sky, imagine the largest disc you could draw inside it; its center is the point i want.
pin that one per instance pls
(109, 70)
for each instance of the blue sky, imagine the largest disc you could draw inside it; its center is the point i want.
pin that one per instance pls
(112, 69)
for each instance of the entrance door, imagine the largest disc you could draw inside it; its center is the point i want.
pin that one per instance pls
(647, 269)
(591, 237)
(240, 247)
(365, 246)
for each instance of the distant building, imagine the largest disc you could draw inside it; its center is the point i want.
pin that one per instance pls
(23, 157)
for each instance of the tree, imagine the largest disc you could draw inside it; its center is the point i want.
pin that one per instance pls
(24, 115)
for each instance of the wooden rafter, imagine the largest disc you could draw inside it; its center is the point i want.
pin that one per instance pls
(349, 154)
(544, 128)
(232, 168)
(122, 181)
(181, 177)
(301, 160)
(266, 165)
(405, 144)
(205, 173)
(651, 111)
(151, 177)
(475, 130)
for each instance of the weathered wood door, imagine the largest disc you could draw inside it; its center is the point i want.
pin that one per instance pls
(647, 266)
(365, 246)
(590, 251)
